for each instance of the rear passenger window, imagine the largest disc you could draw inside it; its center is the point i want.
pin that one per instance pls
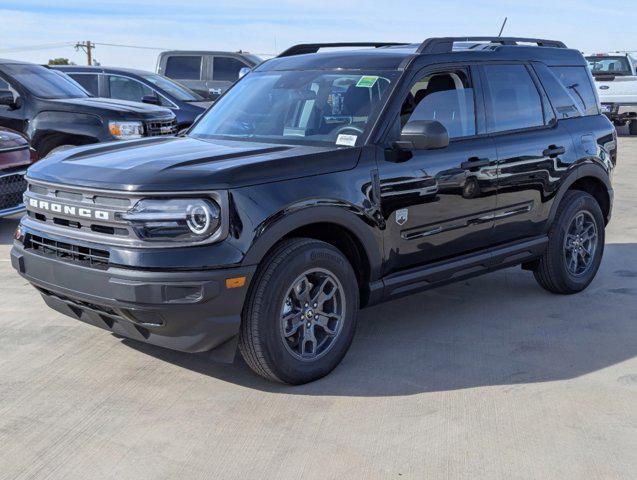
(183, 67)
(226, 69)
(446, 97)
(515, 102)
(578, 83)
(89, 82)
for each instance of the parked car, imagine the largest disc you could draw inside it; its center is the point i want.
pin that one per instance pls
(209, 74)
(15, 157)
(324, 182)
(616, 80)
(56, 113)
(139, 86)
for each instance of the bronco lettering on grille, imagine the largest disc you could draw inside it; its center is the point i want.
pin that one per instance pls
(69, 209)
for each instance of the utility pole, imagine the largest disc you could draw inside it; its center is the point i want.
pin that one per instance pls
(87, 47)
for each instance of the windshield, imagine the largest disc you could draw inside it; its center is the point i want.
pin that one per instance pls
(43, 82)
(609, 65)
(173, 88)
(302, 107)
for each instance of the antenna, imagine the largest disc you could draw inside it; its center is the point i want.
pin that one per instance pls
(503, 25)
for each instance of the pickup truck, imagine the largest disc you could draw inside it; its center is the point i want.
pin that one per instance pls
(616, 80)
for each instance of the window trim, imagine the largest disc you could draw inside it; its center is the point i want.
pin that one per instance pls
(540, 91)
(201, 66)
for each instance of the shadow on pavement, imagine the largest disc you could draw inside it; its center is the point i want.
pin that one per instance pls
(7, 227)
(501, 329)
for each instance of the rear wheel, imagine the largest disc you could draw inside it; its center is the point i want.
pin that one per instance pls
(301, 313)
(632, 127)
(576, 245)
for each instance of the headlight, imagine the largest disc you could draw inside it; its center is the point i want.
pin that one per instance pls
(126, 130)
(180, 220)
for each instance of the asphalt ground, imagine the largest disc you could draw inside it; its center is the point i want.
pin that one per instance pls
(488, 378)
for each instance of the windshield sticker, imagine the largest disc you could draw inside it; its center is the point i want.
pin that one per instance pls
(346, 140)
(367, 81)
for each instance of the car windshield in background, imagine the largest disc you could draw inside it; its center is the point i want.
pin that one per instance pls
(43, 82)
(609, 65)
(173, 88)
(302, 107)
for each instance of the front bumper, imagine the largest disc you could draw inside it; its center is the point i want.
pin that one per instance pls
(189, 311)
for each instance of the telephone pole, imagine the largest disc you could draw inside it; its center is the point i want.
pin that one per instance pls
(87, 47)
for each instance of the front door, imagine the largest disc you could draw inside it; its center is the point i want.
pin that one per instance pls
(225, 72)
(439, 203)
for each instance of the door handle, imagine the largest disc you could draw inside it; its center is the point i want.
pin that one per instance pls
(475, 162)
(554, 151)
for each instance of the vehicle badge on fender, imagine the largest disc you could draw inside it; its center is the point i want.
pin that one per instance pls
(402, 216)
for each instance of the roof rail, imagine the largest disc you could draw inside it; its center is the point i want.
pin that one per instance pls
(315, 47)
(445, 44)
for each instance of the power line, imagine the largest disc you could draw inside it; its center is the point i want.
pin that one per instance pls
(44, 46)
(87, 47)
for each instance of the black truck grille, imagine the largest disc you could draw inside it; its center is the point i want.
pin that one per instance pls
(12, 187)
(157, 128)
(89, 257)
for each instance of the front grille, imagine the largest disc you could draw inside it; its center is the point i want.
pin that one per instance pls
(12, 187)
(68, 252)
(157, 128)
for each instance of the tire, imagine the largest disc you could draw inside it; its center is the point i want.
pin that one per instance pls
(276, 292)
(555, 269)
(632, 127)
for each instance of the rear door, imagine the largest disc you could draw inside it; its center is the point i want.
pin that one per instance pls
(534, 150)
(189, 70)
(225, 72)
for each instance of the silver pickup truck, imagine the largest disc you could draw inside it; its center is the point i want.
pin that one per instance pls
(616, 80)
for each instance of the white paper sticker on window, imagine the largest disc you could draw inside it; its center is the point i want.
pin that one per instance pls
(346, 140)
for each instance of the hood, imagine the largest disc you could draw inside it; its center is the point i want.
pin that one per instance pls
(202, 105)
(117, 107)
(188, 164)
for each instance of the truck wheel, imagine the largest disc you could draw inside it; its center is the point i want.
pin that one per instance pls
(632, 127)
(576, 245)
(300, 316)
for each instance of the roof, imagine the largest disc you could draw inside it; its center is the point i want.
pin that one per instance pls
(398, 57)
(78, 68)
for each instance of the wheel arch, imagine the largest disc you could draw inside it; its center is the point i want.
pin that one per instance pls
(589, 178)
(353, 233)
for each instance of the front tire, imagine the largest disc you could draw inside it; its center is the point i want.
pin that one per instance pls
(301, 312)
(632, 127)
(576, 245)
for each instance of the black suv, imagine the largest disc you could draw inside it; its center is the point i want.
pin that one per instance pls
(56, 113)
(322, 183)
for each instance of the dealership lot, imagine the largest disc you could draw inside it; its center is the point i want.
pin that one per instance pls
(492, 377)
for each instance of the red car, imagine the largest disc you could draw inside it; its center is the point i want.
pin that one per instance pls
(15, 158)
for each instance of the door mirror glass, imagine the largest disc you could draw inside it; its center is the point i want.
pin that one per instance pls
(244, 71)
(151, 99)
(424, 135)
(6, 99)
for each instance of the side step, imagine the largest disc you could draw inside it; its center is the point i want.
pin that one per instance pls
(441, 273)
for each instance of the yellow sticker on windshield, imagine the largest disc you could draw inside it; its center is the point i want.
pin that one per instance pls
(367, 81)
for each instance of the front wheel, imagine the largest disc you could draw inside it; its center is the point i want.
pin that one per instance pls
(576, 245)
(301, 312)
(632, 127)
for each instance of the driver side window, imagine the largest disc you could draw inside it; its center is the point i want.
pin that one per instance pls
(447, 97)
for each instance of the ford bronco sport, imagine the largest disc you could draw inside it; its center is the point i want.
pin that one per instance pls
(324, 182)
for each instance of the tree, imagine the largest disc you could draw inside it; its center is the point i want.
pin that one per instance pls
(60, 61)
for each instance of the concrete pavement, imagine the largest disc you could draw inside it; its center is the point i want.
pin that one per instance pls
(489, 378)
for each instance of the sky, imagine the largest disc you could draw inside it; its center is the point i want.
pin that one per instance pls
(37, 30)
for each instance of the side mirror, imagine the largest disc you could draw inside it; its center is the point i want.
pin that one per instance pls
(6, 99)
(151, 99)
(424, 135)
(244, 71)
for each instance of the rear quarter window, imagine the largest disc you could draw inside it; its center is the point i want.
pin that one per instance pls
(578, 83)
